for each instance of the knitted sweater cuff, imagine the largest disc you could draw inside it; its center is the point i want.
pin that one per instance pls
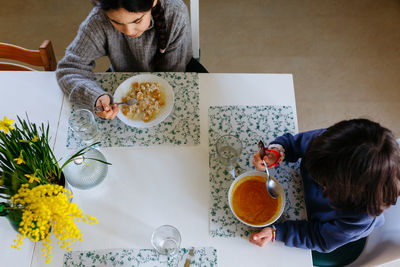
(86, 94)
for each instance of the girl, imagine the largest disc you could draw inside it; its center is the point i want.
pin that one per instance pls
(136, 35)
(350, 172)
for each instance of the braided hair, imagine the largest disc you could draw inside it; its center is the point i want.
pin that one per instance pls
(157, 13)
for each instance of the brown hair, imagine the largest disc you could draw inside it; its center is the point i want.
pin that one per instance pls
(357, 162)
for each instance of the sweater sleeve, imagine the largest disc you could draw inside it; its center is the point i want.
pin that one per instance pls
(324, 236)
(296, 145)
(179, 49)
(74, 72)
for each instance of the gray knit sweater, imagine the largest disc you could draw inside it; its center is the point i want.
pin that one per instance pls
(97, 37)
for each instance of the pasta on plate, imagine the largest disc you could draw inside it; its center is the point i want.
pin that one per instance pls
(150, 101)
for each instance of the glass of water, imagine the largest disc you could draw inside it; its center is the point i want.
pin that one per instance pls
(166, 239)
(229, 148)
(83, 124)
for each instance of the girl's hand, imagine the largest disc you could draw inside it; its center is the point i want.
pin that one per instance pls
(108, 112)
(270, 158)
(263, 237)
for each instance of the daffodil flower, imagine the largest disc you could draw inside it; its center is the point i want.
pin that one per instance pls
(35, 139)
(32, 178)
(5, 124)
(20, 159)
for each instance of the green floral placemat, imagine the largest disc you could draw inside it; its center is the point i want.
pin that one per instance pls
(250, 124)
(204, 257)
(181, 127)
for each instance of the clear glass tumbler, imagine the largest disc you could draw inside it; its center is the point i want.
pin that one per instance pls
(84, 125)
(229, 148)
(166, 239)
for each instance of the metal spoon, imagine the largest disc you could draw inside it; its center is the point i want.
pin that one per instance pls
(129, 102)
(272, 187)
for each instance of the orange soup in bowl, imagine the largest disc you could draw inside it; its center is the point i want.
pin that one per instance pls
(252, 203)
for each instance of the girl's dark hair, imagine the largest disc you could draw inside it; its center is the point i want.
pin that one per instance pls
(141, 6)
(357, 162)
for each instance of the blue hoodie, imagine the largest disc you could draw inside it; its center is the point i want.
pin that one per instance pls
(326, 228)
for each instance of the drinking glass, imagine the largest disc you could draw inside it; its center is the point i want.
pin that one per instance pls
(166, 239)
(229, 148)
(83, 124)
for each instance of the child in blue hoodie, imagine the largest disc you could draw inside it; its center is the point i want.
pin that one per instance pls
(350, 172)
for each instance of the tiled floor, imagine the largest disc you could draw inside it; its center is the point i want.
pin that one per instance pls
(344, 55)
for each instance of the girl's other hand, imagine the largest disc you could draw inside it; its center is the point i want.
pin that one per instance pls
(270, 158)
(109, 112)
(263, 237)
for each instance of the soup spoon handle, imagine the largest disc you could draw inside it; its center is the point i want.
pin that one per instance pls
(270, 183)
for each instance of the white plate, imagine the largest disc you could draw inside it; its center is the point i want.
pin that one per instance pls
(124, 88)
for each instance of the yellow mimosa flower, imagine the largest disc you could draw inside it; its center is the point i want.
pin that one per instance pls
(5, 124)
(32, 178)
(47, 211)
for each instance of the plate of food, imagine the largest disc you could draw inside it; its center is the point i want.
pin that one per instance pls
(155, 100)
(250, 202)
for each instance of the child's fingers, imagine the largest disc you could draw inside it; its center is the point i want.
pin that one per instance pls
(108, 112)
(263, 242)
(106, 107)
(262, 234)
(103, 115)
(269, 162)
(257, 162)
(114, 111)
(259, 239)
(251, 238)
(255, 241)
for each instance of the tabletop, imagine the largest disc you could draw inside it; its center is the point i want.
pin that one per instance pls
(146, 186)
(38, 95)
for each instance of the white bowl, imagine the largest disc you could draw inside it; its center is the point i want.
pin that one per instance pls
(123, 90)
(281, 192)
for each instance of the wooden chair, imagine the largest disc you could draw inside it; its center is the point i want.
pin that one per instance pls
(43, 57)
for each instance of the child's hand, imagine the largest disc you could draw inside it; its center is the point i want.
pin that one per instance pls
(103, 103)
(263, 237)
(270, 158)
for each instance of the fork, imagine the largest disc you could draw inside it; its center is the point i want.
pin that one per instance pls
(189, 257)
(129, 102)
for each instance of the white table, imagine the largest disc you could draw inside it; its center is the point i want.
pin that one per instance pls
(148, 187)
(37, 94)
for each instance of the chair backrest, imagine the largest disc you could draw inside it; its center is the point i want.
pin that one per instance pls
(43, 57)
(194, 22)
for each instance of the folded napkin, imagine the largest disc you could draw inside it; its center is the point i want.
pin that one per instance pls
(203, 256)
